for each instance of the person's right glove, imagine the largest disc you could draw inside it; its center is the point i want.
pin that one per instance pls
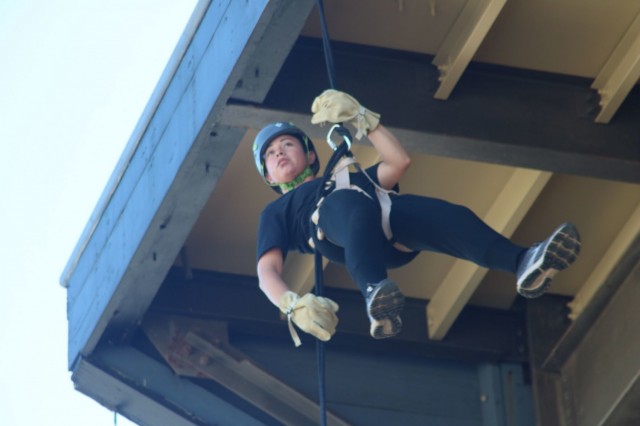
(338, 107)
(313, 314)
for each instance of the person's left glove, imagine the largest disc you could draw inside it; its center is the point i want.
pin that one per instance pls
(338, 107)
(313, 314)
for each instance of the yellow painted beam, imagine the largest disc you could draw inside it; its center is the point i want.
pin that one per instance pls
(463, 41)
(603, 269)
(506, 213)
(619, 74)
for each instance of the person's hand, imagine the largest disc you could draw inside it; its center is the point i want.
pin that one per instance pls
(338, 107)
(312, 314)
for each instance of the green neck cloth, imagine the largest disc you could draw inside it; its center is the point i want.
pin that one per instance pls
(285, 187)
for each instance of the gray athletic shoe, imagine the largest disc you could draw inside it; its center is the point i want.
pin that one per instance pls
(384, 305)
(543, 260)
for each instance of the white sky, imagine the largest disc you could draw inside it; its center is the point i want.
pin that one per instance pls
(75, 77)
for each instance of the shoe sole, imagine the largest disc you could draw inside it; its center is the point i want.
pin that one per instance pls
(560, 252)
(384, 311)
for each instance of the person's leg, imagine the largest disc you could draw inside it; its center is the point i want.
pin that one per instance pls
(352, 221)
(424, 223)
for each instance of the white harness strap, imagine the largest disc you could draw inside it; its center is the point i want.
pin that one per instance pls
(385, 206)
(341, 178)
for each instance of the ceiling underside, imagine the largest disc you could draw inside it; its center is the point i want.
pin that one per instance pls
(526, 111)
(505, 124)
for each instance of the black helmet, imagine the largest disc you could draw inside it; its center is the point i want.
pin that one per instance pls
(272, 131)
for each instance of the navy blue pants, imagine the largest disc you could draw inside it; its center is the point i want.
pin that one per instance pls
(352, 226)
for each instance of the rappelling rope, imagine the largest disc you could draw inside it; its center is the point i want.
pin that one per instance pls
(339, 152)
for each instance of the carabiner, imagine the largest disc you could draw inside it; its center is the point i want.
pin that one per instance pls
(344, 134)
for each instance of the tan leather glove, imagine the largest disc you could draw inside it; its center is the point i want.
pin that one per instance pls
(312, 314)
(338, 107)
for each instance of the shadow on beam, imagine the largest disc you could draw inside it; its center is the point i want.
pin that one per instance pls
(496, 114)
(479, 334)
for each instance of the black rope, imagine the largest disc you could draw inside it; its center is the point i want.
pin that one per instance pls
(342, 150)
(320, 347)
(326, 43)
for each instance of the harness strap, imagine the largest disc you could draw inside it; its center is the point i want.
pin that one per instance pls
(342, 180)
(385, 206)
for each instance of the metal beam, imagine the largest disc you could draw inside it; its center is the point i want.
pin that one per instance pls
(463, 41)
(479, 335)
(585, 371)
(619, 74)
(128, 382)
(506, 213)
(278, 35)
(498, 115)
(620, 245)
(602, 374)
(557, 353)
(546, 323)
(199, 348)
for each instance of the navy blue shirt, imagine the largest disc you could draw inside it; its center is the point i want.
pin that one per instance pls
(286, 222)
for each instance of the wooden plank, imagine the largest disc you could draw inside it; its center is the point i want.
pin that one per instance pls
(506, 213)
(170, 177)
(170, 71)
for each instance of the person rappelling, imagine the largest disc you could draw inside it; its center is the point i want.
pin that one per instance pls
(361, 220)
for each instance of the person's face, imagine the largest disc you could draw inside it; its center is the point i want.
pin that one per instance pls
(285, 159)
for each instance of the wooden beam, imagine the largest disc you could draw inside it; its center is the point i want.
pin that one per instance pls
(619, 74)
(506, 213)
(463, 41)
(135, 140)
(167, 181)
(620, 245)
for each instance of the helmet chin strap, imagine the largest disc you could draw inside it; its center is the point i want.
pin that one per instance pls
(285, 187)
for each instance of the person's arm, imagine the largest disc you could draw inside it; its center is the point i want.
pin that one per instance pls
(334, 106)
(314, 315)
(395, 160)
(270, 275)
